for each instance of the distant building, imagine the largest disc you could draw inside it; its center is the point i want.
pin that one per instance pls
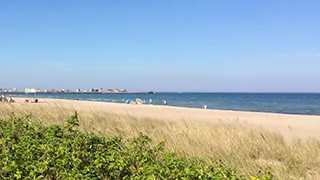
(116, 90)
(123, 90)
(30, 90)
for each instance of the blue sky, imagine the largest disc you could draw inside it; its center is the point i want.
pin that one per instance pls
(141, 45)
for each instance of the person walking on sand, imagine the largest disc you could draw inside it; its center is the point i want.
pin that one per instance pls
(150, 101)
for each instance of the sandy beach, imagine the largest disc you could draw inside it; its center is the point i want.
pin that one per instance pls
(236, 137)
(290, 126)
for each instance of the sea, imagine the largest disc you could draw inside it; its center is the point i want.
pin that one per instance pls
(285, 103)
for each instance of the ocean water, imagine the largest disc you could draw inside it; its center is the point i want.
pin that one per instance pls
(287, 103)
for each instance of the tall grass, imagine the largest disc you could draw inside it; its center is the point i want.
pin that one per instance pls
(245, 147)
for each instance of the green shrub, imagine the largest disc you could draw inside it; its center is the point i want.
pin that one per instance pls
(34, 151)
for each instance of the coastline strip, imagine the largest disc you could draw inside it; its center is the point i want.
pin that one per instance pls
(297, 126)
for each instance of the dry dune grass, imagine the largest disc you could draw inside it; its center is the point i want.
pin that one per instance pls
(247, 148)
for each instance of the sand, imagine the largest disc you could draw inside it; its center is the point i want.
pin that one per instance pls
(290, 126)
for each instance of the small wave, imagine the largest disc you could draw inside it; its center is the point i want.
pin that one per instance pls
(109, 100)
(95, 99)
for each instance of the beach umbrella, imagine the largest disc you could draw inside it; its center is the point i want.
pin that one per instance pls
(128, 101)
(139, 101)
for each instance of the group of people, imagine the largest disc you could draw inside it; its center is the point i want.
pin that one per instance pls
(6, 99)
(32, 100)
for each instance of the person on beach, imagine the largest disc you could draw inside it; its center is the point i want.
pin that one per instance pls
(150, 101)
(165, 102)
(10, 100)
(6, 99)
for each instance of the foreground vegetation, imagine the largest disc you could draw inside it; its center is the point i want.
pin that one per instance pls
(33, 151)
(248, 149)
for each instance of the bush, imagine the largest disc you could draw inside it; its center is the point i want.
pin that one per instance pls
(34, 151)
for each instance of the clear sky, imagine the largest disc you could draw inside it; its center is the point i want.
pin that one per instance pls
(164, 45)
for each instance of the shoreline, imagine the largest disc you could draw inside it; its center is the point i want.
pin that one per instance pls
(123, 102)
(289, 125)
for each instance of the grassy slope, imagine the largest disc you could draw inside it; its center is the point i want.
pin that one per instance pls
(246, 148)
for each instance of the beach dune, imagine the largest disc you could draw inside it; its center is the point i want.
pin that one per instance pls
(290, 126)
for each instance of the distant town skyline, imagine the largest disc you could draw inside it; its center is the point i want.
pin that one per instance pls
(62, 90)
(163, 46)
